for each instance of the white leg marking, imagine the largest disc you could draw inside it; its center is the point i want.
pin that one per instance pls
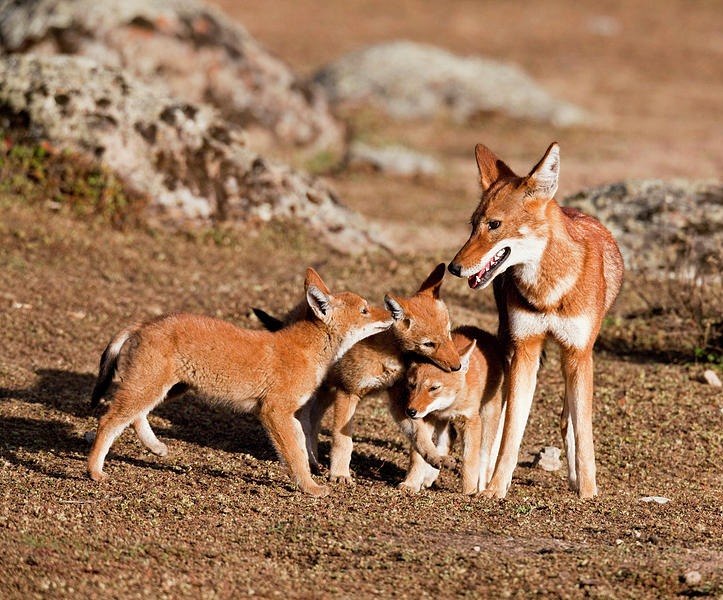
(148, 437)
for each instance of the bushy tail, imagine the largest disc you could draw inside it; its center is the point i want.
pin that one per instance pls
(108, 365)
(269, 322)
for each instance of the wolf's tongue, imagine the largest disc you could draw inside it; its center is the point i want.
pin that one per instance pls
(474, 280)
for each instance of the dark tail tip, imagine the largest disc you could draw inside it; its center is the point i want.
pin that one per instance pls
(105, 377)
(269, 322)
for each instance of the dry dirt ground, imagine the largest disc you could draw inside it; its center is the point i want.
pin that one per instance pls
(218, 517)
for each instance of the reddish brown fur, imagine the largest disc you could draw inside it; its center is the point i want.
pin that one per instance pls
(571, 273)
(270, 374)
(376, 363)
(472, 398)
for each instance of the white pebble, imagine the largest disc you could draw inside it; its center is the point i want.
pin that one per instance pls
(656, 499)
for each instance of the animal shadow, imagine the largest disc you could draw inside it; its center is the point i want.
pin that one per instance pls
(24, 439)
(189, 418)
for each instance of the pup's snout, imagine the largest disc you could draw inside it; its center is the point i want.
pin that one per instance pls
(456, 368)
(455, 269)
(411, 413)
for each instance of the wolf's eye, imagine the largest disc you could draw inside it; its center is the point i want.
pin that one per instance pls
(428, 344)
(364, 310)
(494, 224)
(434, 388)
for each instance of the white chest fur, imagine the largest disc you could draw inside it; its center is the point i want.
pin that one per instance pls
(569, 331)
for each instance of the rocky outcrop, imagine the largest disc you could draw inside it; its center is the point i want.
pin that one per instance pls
(667, 226)
(392, 160)
(184, 49)
(409, 80)
(190, 162)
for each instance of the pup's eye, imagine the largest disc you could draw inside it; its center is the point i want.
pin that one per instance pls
(364, 310)
(434, 388)
(428, 344)
(494, 224)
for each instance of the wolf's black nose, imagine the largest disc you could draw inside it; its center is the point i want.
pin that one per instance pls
(411, 413)
(455, 269)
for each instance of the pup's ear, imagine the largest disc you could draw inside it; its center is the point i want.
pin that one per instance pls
(466, 355)
(319, 302)
(490, 167)
(394, 307)
(545, 174)
(313, 278)
(432, 284)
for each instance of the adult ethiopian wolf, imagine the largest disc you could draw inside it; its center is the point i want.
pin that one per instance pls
(556, 273)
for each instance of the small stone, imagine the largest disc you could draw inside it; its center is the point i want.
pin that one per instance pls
(549, 459)
(693, 577)
(476, 548)
(89, 436)
(711, 378)
(656, 499)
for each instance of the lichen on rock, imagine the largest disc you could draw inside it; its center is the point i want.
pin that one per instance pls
(671, 227)
(192, 164)
(408, 80)
(185, 49)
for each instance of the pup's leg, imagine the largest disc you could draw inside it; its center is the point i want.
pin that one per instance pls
(148, 437)
(491, 414)
(341, 440)
(435, 453)
(471, 455)
(318, 406)
(418, 472)
(288, 436)
(578, 370)
(521, 388)
(305, 417)
(130, 403)
(441, 445)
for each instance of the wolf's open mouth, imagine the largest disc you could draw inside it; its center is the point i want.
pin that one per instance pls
(484, 276)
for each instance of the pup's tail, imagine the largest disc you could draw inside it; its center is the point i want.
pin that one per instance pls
(269, 322)
(108, 365)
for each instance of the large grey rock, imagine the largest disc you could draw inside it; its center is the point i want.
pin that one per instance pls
(392, 160)
(410, 80)
(666, 226)
(191, 164)
(185, 49)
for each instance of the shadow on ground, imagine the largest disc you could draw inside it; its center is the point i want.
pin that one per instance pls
(189, 418)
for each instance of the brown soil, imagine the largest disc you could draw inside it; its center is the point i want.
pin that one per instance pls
(218, 517)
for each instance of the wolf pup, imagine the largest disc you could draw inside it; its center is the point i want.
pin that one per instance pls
(562, 272)
(421, 326)
(471, 397)
(270, 374)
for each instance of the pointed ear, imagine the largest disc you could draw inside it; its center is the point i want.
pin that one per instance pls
(466, 355)
(432, 284)
(490, 167)
(394, 307)
(313, 278)
(544, 175)
(319, 303)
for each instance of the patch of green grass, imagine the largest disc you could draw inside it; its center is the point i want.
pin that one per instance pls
(61, 180)
(322, 162)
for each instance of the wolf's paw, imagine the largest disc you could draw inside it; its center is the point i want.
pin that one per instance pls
(442, 462)
(587, 492)
(318, 491)
(160, 450)
(409, 488)
(98, 476)
(492, 493)
(346, 480)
